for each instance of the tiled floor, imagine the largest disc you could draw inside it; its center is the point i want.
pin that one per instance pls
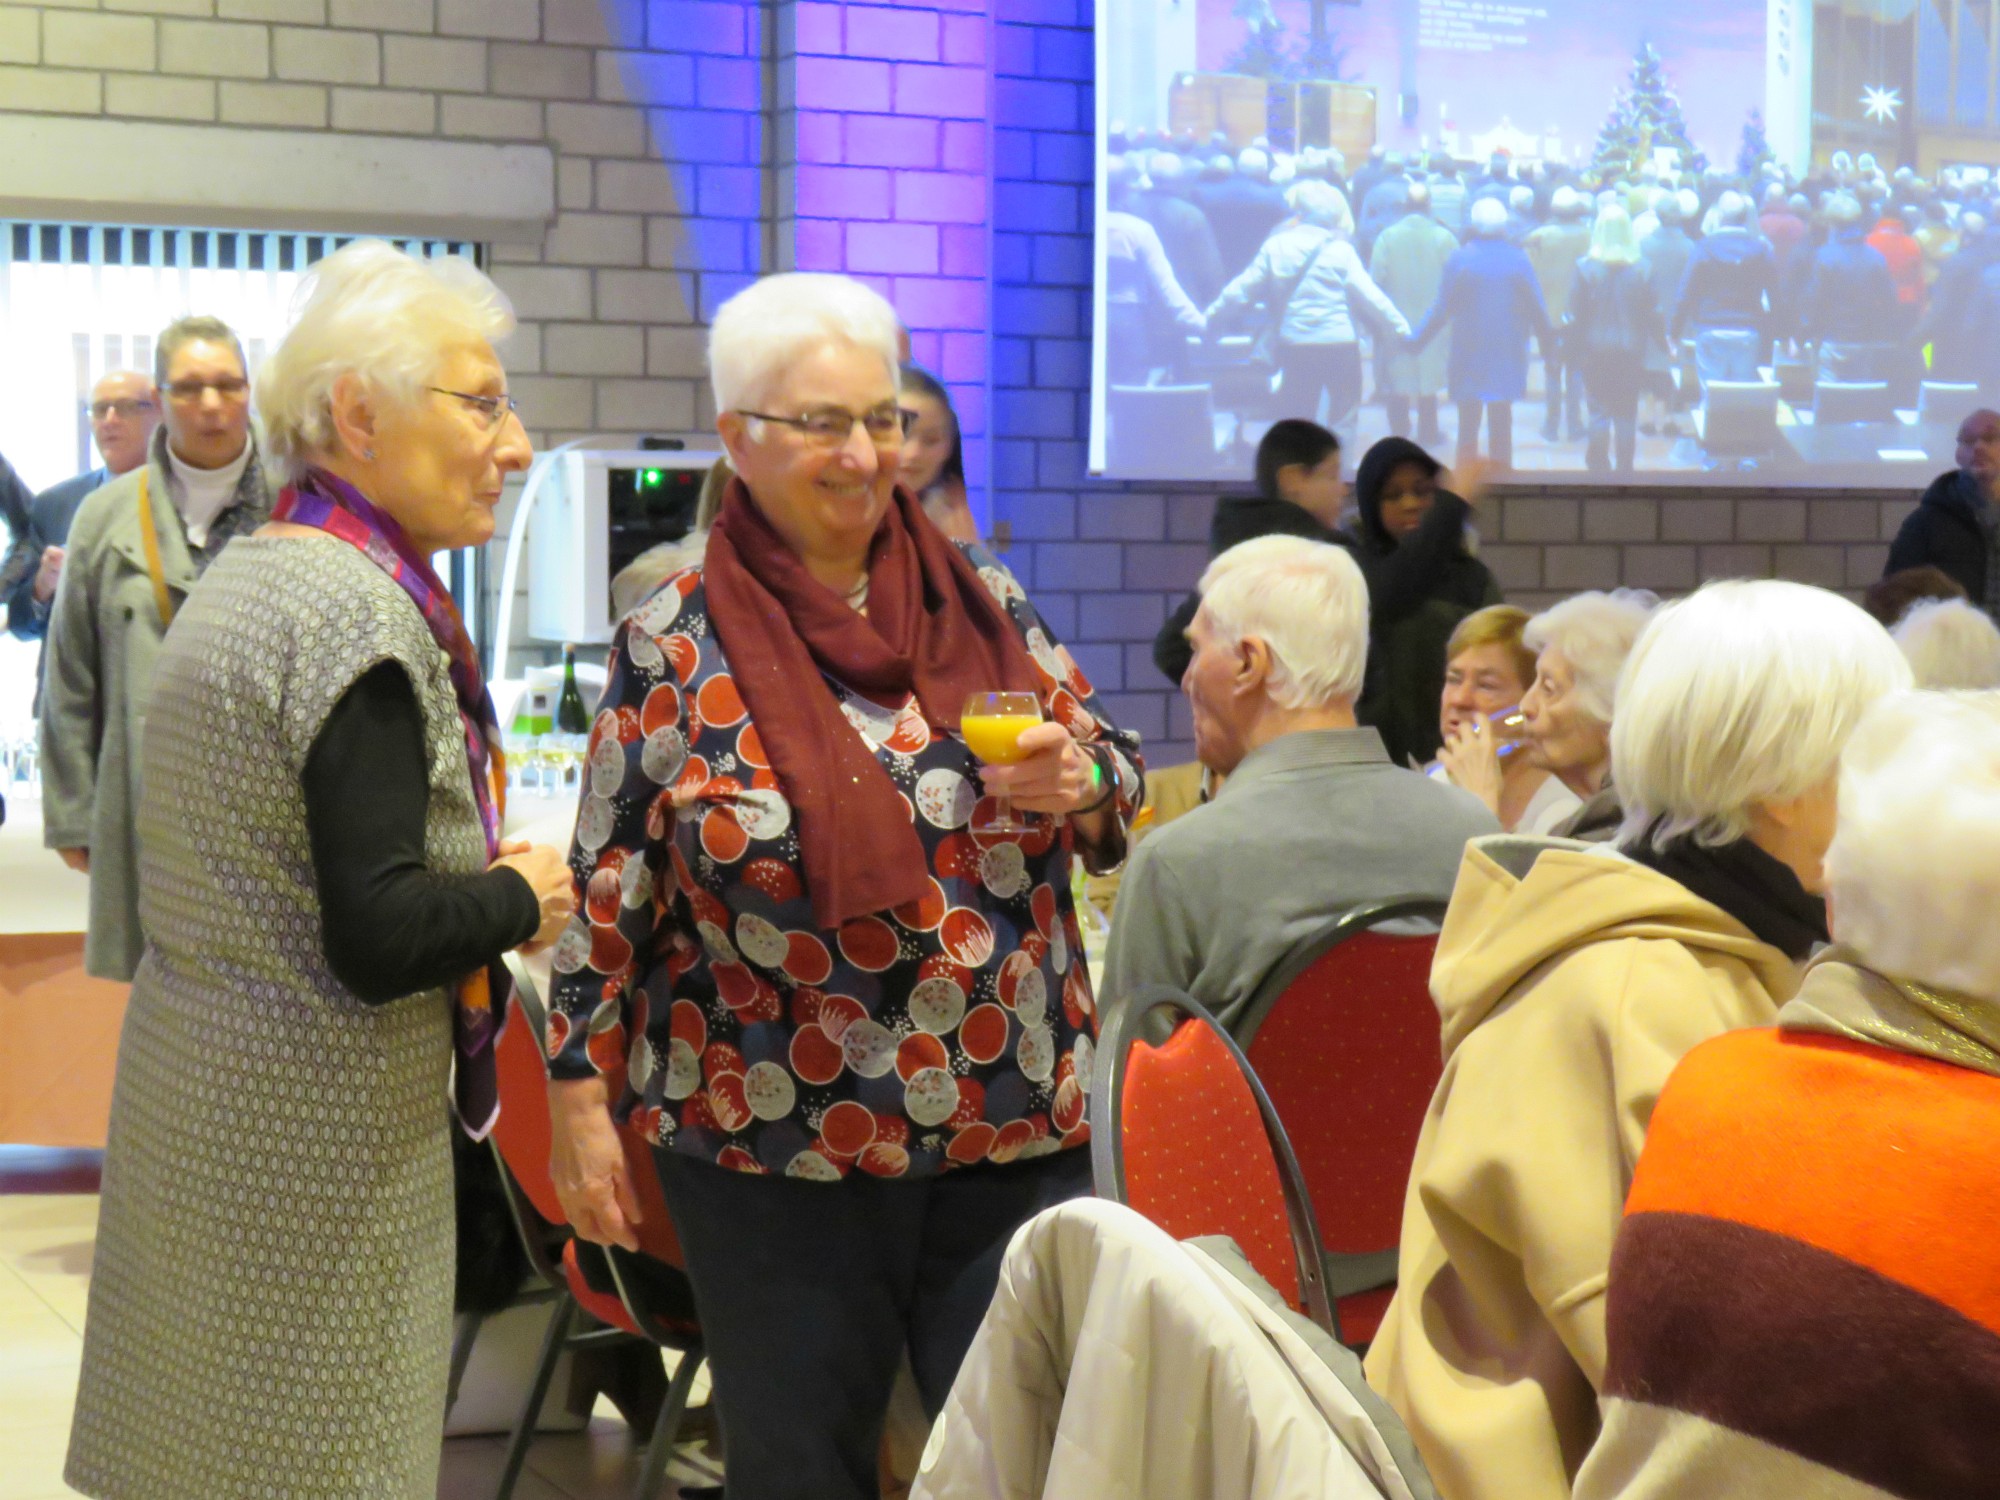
(45, 1247)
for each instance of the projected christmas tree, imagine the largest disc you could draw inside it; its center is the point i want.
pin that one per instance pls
(1265, 52)
(1268, 50)
(1645, 119)
(1755, 151)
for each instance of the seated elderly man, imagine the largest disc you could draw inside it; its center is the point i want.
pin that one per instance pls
(1313, 818)
(1803, 1293)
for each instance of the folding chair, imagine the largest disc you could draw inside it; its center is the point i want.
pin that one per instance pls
(1836, 401)
(1181, 1132)
(1345, 1038)
(636, 1311)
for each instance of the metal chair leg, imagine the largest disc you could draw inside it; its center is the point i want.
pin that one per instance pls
(465, 1329)
(531, 1410)
(667, 1426)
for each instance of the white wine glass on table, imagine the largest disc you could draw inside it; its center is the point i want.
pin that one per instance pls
(993, 724)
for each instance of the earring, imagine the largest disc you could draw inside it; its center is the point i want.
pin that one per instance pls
(369, 454)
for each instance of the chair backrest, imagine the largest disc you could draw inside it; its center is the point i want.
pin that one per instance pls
(1344, 1036)
(522, 1131)
(1946, 401)
(1741, 415)
(1852, 401)
(1182, 1132)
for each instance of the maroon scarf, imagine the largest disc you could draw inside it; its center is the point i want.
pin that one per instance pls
(932, 628)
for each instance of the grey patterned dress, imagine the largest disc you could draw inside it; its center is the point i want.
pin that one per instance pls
(270, 1308)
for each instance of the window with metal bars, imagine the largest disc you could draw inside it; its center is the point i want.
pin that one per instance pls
(78, 301)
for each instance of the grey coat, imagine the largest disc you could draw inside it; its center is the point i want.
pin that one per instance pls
(104, 636)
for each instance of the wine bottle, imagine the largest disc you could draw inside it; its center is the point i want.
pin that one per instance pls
(571, 716)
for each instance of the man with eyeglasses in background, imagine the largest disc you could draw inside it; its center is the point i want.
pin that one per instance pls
(135, 549)
(124, 410)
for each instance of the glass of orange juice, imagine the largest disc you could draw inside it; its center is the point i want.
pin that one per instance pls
(992, 724)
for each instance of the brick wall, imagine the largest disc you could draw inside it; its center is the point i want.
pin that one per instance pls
(655, 113)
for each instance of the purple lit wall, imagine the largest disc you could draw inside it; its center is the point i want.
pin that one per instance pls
(890, 181)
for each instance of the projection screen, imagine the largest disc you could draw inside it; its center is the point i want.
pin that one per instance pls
(1597, 240)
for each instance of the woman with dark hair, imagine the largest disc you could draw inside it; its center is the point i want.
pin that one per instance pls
(934, 456)
(1410, 536)
(1299, 493)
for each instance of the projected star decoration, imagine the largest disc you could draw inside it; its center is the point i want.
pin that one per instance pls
(1881, 104)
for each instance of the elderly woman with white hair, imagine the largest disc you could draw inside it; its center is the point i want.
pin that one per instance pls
(1309, 263)
(845, 1001)
(1580, 646)
(1950, 644)
(325, 891)
(1571, 979)
(1826, 1187)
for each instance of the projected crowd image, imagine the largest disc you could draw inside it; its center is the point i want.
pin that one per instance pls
(1595, 238)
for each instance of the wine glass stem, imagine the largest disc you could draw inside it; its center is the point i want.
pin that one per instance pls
(1004, 817)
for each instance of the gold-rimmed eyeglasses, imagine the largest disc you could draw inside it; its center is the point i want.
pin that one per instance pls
(830, 426)
(495, 408)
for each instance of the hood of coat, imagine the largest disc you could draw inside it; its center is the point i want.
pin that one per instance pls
(1521, 903)
(1371, 477)
(1241, 518)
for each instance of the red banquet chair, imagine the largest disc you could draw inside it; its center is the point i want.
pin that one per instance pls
(1345, 1038)
(651, 1299)
(1182, 1132)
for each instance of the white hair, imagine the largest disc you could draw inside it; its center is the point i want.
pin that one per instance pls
(1307, 601)
(1487, 216)
(1913, 872)
(1321, 203)
(779, 319)
(371, 311)
(1742, 693)
(1950, 644)
(1593, 633)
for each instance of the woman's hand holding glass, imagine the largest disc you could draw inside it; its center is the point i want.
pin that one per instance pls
(548, 876)
(1054, 775)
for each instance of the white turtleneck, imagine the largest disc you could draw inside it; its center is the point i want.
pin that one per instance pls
(204, 494)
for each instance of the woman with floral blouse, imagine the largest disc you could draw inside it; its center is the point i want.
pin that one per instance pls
(857, 1025)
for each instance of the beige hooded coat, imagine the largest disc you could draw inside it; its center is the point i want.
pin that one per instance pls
(1570, 980)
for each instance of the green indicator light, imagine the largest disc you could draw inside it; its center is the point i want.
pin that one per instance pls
(653, 476)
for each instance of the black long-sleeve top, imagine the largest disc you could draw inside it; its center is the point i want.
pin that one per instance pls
(393, 926)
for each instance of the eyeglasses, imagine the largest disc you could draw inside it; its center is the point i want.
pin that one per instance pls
(128, 409)
(496, 408)
(830, 426)
(229, 388)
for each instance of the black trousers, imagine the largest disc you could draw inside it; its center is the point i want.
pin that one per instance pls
(809, 1292)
